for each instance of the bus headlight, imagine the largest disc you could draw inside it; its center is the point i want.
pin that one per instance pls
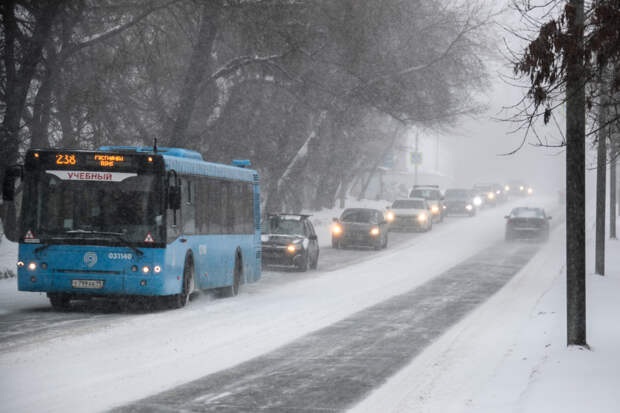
(477, 201)
(32, 266)
(374, 231)
(422, 217)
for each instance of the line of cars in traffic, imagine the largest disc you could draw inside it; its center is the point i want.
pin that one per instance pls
(290, 239)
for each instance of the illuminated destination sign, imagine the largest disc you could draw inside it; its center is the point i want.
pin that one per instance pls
(82, 161)
(108, 160)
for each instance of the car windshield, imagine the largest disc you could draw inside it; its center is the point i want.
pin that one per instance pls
(408, 204)
(528, 213)
(359, 215)
(130, 208)
(457, 193)
(431, 194)
(285, 226)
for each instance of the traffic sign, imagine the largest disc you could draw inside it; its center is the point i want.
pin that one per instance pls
(415, 158)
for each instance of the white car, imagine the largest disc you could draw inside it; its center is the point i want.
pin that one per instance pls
(410, 214)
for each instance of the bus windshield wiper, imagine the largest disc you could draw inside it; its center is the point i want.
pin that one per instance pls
(117, 235)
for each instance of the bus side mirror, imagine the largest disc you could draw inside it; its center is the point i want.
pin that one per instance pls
(174, 197)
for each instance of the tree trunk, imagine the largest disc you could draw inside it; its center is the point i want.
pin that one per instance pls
(19, 74)
(199, 66)
(575, 181)
(601, 175)
(612, 189)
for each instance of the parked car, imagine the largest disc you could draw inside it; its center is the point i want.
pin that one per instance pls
(527, 223)
(411, 214)
(459, 201)
(364, 227)
(433, 197)
(289, 240)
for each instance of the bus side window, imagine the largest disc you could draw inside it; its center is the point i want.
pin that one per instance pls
(188, 207)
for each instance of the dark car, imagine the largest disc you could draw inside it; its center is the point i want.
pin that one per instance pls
(527, 223)
(459, 201)
(360, 227)
(290, 240)
(433, 197)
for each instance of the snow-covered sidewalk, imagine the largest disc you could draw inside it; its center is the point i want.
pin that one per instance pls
(510, 355)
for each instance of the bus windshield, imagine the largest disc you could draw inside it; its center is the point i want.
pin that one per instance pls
(129, 208)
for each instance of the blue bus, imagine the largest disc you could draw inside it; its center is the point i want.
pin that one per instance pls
(133, 221)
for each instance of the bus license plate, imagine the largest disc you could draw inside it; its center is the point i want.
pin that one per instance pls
(87, 284)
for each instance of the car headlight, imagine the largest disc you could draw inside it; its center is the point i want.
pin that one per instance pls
(374, 231)
(336, 230)
(477, 201)
(292, 247)
(422, 217)
(529, 191)
(435, 209)
(491, 195)
(498, 192)
(389, 216)
(469, 207)
(507, 188)
(521, 188)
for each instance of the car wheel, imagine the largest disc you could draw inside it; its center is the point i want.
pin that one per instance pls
(315, 262)
(303, 265)
(59, 301)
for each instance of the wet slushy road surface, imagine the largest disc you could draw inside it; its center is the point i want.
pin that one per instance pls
(335, 367)
(33, 325)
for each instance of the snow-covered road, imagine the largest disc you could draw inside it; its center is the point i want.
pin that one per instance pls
(113, 359)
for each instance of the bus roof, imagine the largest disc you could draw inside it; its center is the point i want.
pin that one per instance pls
(186, 161)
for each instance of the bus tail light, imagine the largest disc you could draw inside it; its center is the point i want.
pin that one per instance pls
(32, 266)
(146, 269)
(157, 269)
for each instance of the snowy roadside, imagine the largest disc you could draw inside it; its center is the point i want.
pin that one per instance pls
(448, 376)
(510, 355)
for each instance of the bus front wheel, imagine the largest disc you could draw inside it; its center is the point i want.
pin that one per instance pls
(59, 301)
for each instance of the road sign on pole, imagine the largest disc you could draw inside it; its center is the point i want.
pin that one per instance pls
(415, 158)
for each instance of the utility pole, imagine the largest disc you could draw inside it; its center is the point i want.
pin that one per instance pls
(575, 179)
(415, 167)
